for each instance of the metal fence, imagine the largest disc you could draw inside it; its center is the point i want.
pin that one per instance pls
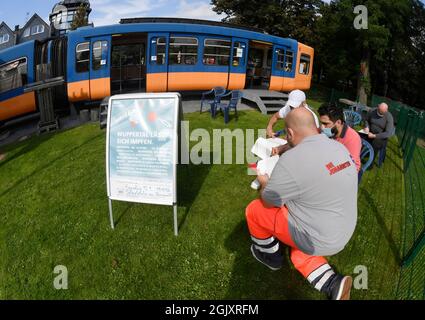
(410, 131)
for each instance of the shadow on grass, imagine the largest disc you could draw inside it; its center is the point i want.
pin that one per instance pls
(191, 177)
(29, 146)
(252, 280)
(394, 150)
(51, 163)
(382, 225)
(128, 208)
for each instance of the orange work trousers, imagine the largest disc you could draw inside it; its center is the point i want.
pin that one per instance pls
(264, 223)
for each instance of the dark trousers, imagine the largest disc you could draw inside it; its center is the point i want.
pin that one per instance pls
(379, 148)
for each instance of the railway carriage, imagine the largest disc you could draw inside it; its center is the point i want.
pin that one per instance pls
(151, 55)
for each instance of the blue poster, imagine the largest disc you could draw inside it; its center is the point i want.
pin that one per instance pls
(142, 149)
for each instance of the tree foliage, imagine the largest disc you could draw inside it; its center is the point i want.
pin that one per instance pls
(80, 18)
(388, 58)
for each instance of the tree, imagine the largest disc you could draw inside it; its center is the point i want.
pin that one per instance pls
(286, 18)
(80, 18)
(387, 58)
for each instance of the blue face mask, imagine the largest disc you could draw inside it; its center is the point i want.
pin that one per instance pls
(328, 132)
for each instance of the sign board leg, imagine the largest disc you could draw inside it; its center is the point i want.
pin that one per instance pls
(111, 216)
(176, 223)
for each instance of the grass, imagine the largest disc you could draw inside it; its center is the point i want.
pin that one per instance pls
(54, 211)
(412, 281)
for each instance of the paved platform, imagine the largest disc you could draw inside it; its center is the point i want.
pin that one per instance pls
(30, 128)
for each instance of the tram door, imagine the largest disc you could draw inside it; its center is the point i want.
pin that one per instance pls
(283, 62)
(99, 71)
(237, 74)
(157, 79)
(128, 71)
(259, 69)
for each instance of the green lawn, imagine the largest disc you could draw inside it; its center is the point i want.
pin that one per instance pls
(412, 281)
(54, 211)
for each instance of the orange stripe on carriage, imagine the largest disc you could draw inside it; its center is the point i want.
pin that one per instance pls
(300, 82)
(197, 80)
(276, 83)
(156, 82)
(100, 88)
(17, 106)
(79, 91)
(237, 81)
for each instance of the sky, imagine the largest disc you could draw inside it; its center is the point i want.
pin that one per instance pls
(110, 11)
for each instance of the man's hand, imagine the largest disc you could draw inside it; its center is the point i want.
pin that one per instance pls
(264, 180)
(270, 133)
(278, 151)
(371, 135)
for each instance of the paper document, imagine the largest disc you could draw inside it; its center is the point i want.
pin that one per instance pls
(266, 166)
(263, 150)
(263, 147)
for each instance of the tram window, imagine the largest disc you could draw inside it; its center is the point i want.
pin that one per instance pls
(280, 59)
(83, 57)
(217, 52)
(158, 51)
(183, 51)
(285, 60)
(100, 54)
(13, 75)
(238, 54)
(305, 64)
(289, 61)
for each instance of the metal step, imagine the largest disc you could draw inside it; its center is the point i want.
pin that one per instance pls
(267, 101)
(103, 114)
(273, 109)
(48, 127)
(274, 102)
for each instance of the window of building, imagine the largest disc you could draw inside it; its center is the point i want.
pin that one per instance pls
(217, 52)
(70, 16)
(238, 54)
(82, 57)
(37, 29)
(183, 50)
(305, 64)
(27, 32)
(100, 54)
(4, 38)
(13, 75)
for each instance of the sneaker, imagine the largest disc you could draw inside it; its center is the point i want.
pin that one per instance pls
(256, 185)
(340, 287)
(267, 259)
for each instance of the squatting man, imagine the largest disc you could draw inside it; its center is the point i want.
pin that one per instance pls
(308, 204)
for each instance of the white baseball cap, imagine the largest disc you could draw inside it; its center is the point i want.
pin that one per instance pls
(296, 98)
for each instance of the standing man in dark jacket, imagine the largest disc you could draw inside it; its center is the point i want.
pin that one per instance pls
(379, 128)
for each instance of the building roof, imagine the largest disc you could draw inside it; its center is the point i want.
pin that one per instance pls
(3, 24)
(35, 16)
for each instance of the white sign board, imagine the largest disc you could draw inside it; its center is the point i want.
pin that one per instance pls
(239, 53)
(142, 148)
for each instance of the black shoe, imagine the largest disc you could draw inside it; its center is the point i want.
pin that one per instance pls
(339, 287)
(272, 261)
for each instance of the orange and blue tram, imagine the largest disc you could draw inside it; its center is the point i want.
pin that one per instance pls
(151, 55)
